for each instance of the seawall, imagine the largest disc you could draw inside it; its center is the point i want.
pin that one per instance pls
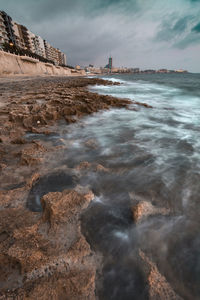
(11, 64)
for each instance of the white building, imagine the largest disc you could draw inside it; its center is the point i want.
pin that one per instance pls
(37, 44)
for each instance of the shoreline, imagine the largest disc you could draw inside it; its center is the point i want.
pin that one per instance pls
(45, 250)
(43, 253)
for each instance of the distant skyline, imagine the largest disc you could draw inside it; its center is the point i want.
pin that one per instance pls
(149, 34)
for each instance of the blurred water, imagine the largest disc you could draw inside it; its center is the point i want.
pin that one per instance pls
(159, 155)
(153, 155)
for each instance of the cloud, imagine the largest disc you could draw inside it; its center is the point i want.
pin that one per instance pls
(135, 32)
(190, 39)
(40, 10)
(170, 28)
(181, 24)
(179, 32)
(196, 28)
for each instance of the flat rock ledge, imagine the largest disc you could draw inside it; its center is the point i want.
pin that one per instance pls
(50, 258)
(44, 255)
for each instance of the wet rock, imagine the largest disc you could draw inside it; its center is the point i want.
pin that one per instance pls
(91, 144)
(32, 154)
(2, 166)
(58, 207)
(44, 255)
(144, 209)
(48, 259)
(19, 141)
(13, 198)
(53, 182)
(159, 288)
(84, 165)
(33, 179)
(100, 168)
(143, 104)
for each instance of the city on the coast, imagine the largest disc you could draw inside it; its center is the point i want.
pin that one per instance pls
(109, 68)
(18, 39)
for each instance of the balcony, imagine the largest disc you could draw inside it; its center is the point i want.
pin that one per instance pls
(24, 29)
(3, 30)
(5, 38)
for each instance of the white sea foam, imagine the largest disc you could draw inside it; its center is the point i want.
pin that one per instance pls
(121, 235)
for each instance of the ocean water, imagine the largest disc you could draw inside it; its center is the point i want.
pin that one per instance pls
(156, 157)
(153, 155)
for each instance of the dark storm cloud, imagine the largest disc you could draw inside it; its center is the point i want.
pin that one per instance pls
(196, 28)
(179, 32)
(181, 24)
(171, 28)
(44, 9)
(191, 38)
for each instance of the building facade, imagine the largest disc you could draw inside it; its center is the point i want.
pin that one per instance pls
(47, 48)
(54, 54)
(7, 20)
(16, 34)
(110, 63)
(3, 33)
(62, 59)
(26, 37)
(37, 44)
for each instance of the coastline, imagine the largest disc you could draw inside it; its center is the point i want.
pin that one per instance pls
(43, 253)
(45, 249)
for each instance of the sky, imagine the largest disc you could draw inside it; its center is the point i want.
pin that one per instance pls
(149, 34)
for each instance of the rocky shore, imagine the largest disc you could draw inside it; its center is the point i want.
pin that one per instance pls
(43, 253)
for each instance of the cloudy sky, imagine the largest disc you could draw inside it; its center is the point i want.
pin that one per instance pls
(137, 33)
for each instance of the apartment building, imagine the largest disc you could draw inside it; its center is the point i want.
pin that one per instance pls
(48, 51)
(54, 54)
(7, 32)
(3, 33)
(26, 37)
(9, 27)
(62, 58)
(39, 45)
(17, 34)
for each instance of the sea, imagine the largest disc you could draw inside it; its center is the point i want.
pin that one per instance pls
(152, 156)
(155, 155)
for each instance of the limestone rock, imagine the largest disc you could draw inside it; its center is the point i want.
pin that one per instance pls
(144, 209)
(159, 288)
(59, 207)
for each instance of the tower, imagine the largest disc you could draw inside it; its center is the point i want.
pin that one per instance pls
(110, 63)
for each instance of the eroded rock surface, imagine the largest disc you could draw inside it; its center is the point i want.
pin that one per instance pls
(159, 288)
(144, 209)
(45, 256)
